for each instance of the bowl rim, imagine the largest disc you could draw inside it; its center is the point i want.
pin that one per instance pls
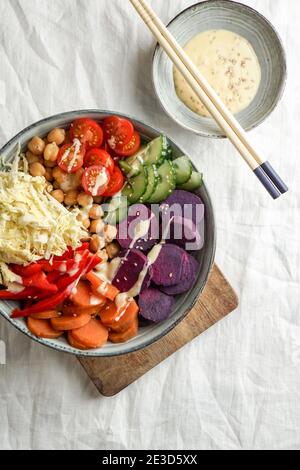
(284, 68)
(92, 353)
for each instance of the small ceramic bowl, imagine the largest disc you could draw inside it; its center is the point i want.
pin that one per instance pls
(149, 334)
(245, 21)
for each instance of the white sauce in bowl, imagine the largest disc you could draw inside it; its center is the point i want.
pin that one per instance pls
(229, 63)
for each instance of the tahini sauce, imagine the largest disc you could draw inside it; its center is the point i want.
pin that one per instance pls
(229, 63)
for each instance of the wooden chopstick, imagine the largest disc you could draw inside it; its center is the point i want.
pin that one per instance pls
(211, 100)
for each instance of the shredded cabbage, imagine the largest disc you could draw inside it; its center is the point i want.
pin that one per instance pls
(33, 225)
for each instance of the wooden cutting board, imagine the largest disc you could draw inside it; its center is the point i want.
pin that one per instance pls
(111, 375)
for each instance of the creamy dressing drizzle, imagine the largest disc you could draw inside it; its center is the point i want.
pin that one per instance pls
(101, 180)
(94, 300)
(76, 146)
(135, 164)
(107, 272)
(152, 257)
(140, 230)
(63, 267)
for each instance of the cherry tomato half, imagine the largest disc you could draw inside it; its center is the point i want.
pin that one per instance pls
(95, 180)
(99, 157)
(116, 183)
(70, 157)
(117, 131)
(88, 132)
(131, 148)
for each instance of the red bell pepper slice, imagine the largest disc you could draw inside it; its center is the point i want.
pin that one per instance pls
(26, 271)
(83, 247)
(41, 282)
(62, 266)
(24, 294)
(65, 287)
(28, 293)
(53, 277)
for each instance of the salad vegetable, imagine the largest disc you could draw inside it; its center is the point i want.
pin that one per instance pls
(81, 244)
(32, 225)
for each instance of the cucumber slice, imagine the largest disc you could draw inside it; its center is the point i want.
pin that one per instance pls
(153, 179)
(195, 182)
(136, 187)
(183, 168)
(157, 151)
(125, 167)
(132, 166)
(166, 185)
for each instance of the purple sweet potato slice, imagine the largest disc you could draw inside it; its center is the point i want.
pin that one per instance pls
(184, 233)
(140, 220)
(155, 305)
(130, 268)
(185, 204)
(190, 271)
(167, 269)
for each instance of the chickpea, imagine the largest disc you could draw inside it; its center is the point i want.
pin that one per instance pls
(71, 198)
(37, 169)
(86, 223)
(78, 177)
(57, 173)
(49, 164)
(51, 152)
(36, 146)
(57, 136)
(113, 249)
(110, 233)
(58, 195)
(67, 182)
(84, 200)
(56, 185)
(98, 199)
(49, 175)
(97, 243)
(96, 212)
(32, 158)
(97, 226)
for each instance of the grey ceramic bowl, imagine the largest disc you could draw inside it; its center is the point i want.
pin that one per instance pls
(149, 334)
(243, 20)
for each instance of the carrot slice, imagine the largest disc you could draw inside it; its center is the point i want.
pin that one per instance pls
(92, 336)
(126, 335)
(118, 321)
(71, 309)
(82, 296)
(42, 329)
(66, 323)
(100, 287)
(47, 315)
(75, 344)
(109, 314)
(126, 320)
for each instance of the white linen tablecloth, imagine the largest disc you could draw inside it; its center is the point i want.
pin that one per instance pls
(238, 385)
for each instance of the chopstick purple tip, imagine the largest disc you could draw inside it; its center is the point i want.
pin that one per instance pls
(274, 185)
